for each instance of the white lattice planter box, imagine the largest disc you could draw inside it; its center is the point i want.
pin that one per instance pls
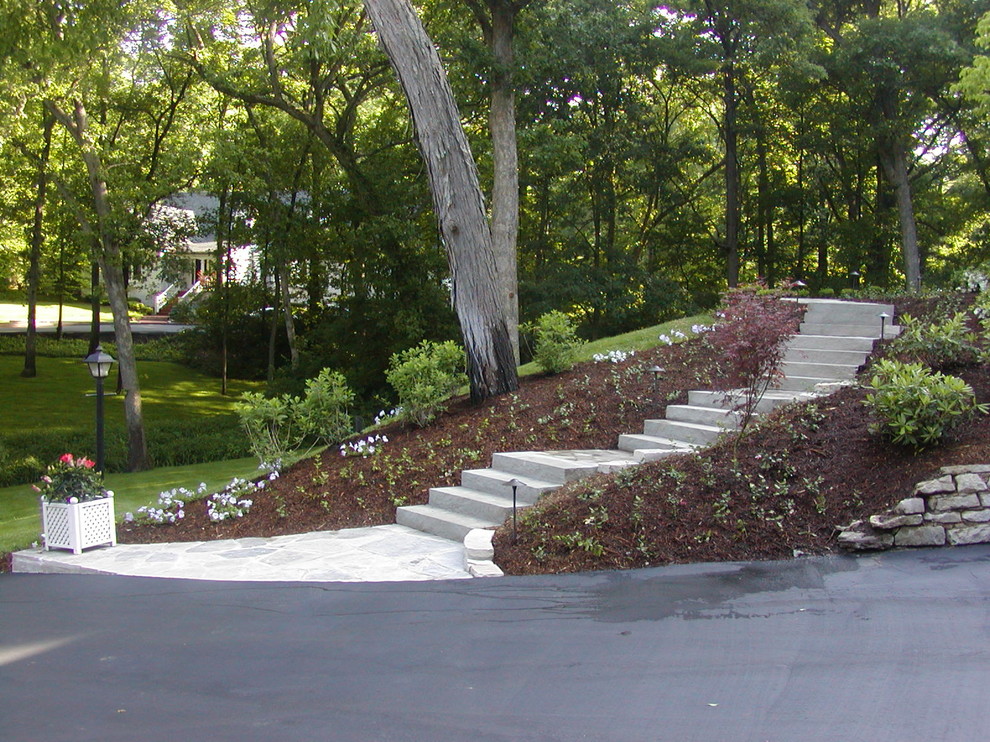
(78, 525)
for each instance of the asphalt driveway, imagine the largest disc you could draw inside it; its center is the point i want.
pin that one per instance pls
(892, 647)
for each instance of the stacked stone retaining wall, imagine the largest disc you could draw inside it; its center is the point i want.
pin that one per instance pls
(953, 509)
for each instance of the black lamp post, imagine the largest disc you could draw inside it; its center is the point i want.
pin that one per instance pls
(99, 364)
(883, 324)
(656, 371)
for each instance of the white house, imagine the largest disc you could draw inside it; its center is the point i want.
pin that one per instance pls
(192, 266)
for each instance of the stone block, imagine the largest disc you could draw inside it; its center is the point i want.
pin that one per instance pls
(920, 536)
(966, 469)
(936, 486)
(968, 483)
(890, 522)
(860, 537)
(976, 516)
(478, 545)
(961, 535)
(953, 502)
(985, 500)
(910, 506)
(944, 518)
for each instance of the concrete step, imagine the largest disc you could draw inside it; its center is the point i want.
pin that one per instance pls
(819, 370)
(482, 505)
(830, 342)
(558, 467)
(633, 443)
(702, 415)
(727, 400)
(859, 331)
(837, 311)
(439, 522)
(496, 482)
(802, 383)
(692, 433)
(840, 357)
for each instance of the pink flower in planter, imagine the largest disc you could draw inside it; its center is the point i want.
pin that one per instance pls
(66, 458)
(86, 462)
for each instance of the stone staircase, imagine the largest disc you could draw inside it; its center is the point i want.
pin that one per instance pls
(834, 341)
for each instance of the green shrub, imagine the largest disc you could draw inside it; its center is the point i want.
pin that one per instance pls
(916, 406)
(425, 377)
(939, 345)
(272, 424)
(324, 409)
(826, 293)
(556, 342)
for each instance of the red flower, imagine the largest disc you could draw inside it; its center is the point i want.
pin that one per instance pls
(66, 458)
(86, 462)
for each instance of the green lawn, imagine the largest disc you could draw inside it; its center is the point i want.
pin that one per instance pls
(20, 512)
(57, 397)
(48, 313)
(635, 340)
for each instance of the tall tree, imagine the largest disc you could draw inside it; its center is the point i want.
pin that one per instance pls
(457, 198)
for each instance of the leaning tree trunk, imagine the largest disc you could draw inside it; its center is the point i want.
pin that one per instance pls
(457, 198)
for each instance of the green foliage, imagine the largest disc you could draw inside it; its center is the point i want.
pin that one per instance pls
(916, 406)
(272, 425)
(324, 409)
(164, 348)
(939, 345)
(277, 425)
(425, 377)
(556, 342)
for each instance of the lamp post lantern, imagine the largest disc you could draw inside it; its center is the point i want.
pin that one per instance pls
(99, 364)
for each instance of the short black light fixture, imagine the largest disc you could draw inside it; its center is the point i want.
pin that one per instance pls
(854, 278)
(515, 484)
(656, 371)
(883, 324)
(99, 364)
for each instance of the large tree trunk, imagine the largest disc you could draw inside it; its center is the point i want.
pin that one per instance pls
(30, 369)
(895, 167)
(730, 103)
(457, 198)
(109, 258)
(505, 185)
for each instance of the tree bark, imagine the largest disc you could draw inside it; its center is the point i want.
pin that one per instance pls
(457, 198)
(109, 259)
(895, 167)
(730, 103)
(30, 369)
(505, 184)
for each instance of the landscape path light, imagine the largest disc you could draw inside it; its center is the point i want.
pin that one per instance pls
(656, 371)
(515, 484)
(883, 323)
(99, 364)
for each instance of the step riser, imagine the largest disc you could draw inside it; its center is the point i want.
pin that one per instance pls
(545, 471)
(802, 383)
(713, 416)
(846, 313)
(478, 480)
(837, 357)
(641, 442)
(830, 342)
(678, 432)
(857, 331)
(434, 522)
(720, 399)
(455, 502)
(819, 370)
